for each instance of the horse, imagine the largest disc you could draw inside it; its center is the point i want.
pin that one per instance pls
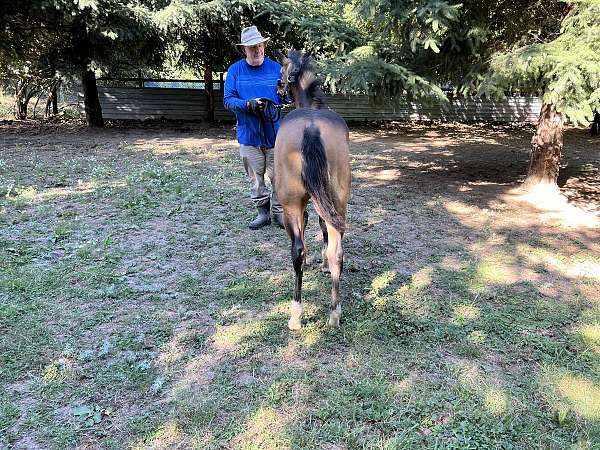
(312, 162)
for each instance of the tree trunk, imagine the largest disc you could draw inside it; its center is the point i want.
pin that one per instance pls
(21, 100)
(208, 88)
(546, 145)
(91, 103)
(52, 101)
(55, 101)
(595, 129)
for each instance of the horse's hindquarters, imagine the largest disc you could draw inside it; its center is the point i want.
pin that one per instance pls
(312, 161)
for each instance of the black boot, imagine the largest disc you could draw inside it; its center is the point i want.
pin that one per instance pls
(263, 218)
(278, 219)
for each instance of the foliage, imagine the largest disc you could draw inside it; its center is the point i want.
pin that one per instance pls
(201, 33)
(204, 34)
(413, 47)
(323, 27)
(394, 33)
(65, 37)
(565, 69)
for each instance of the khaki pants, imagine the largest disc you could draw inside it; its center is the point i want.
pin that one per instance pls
(257, 162)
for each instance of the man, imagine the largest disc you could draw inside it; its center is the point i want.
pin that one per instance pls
(248, 81)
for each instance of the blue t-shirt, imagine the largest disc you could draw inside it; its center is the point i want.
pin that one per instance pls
(245, 82)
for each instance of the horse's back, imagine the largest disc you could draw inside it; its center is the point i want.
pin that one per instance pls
(333, 133)
(332, 129)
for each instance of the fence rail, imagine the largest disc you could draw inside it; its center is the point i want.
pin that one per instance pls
(191, 104)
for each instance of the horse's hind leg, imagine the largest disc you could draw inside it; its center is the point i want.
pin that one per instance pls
(324, 264)
(295, 228)
(335, 261)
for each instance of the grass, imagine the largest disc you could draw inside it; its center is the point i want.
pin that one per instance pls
(137, 310)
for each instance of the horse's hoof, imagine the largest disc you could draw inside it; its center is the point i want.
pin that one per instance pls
(295, 322)
(294, 325)
(333, 322)
(334, 317)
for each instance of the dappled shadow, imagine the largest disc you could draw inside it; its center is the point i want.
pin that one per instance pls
(467, 318)
(456, 160)
(448, 313)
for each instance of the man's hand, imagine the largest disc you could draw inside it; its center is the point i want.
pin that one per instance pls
(254, 105)
(280, 89)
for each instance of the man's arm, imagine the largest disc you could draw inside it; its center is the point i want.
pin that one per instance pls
(231, 101)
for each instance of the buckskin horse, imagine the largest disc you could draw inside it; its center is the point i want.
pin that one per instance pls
(312, 162)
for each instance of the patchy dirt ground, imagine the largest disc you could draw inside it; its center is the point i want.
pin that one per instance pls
(138, 311)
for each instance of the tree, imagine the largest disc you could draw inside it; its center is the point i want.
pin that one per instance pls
(412, 47)
(201, 36)
(79, 37)
(26, 56)
(566, 71)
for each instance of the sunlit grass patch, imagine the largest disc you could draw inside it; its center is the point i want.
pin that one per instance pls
(582, 394)
(243, 338)
(496, 401)
(311, 335)
(167, 436)
(469, 374)
(264, 429)
(589, 334)
(495, 272)
(231, 335)
(464, 313)
(422, 278)
(253, 288)
(581, 265)
(19, 197)
(381, 282)
(477, 337)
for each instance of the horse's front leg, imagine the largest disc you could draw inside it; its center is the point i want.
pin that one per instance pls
(295, 231)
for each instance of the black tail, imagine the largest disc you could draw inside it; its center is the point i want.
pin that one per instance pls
(315, 175)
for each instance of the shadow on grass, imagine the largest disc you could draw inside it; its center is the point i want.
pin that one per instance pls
(456, 333)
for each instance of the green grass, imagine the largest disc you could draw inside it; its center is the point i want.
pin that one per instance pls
(137, 310)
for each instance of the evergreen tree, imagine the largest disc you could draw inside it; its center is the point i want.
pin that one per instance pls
(565, 69)
(412, 47)
(201, 36)
(78, 37)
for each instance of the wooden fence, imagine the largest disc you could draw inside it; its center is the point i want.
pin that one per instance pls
(191, 104)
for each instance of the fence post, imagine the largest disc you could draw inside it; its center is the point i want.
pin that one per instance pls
(140, 79)
(208, 89)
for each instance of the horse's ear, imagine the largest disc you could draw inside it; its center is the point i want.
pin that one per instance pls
(280, 56)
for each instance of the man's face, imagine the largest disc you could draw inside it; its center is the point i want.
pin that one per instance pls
(255, 54)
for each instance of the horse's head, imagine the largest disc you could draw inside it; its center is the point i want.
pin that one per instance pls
(298, 78)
